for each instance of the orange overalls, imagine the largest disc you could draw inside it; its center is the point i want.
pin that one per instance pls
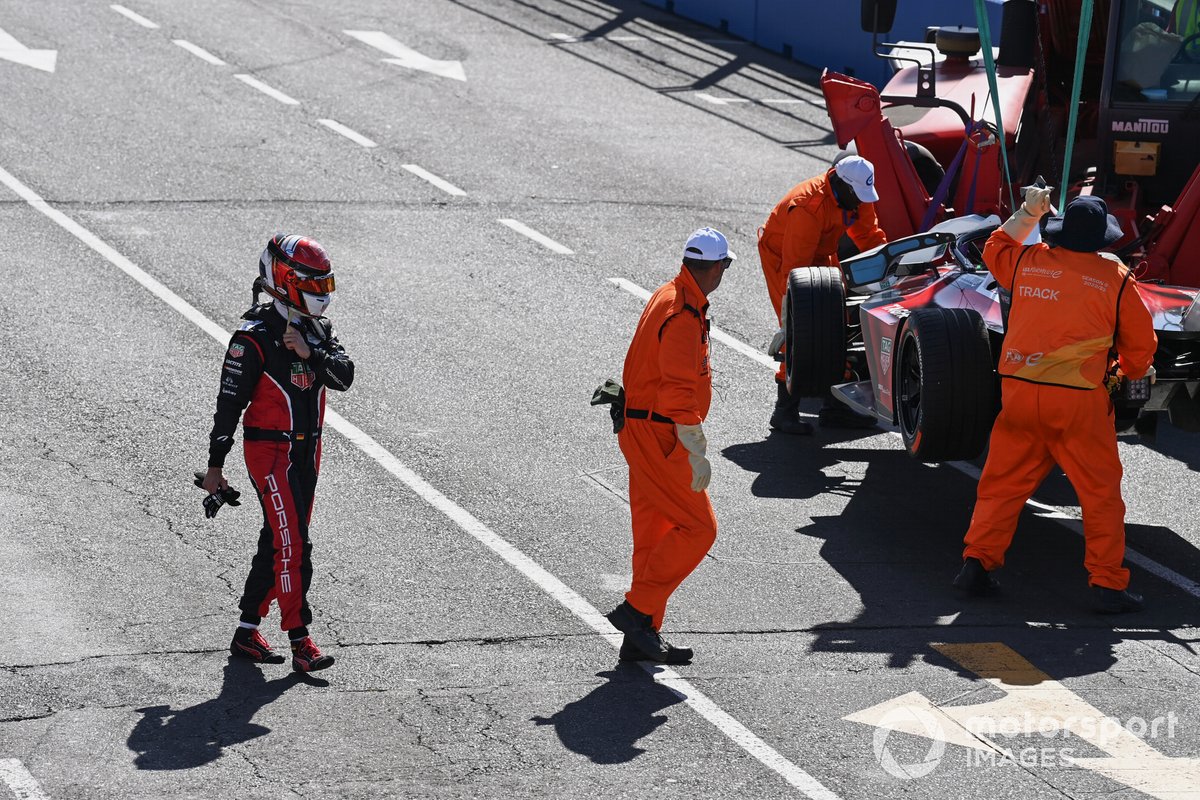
(803, 230)
(1056, 409)
(667, 381)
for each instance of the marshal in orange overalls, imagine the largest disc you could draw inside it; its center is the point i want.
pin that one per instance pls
(803, 230)
(1056, 409)
(667, 378)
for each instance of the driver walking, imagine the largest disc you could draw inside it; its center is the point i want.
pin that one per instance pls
(276, 369)
(1071, 306)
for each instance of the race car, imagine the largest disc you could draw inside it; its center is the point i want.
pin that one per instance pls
(912, 335)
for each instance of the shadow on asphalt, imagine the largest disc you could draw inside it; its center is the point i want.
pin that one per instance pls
(685, 64)
(606, 724)
(791, 467)
(898, 543)
(191, 737)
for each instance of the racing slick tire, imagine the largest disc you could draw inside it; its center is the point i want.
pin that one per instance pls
(814, 327)
(946, 386)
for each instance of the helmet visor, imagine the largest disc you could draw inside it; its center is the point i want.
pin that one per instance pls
(316, 284)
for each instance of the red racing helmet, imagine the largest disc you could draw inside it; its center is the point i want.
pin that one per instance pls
(295, 270)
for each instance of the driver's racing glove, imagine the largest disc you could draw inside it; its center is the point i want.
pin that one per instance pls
(214, 501)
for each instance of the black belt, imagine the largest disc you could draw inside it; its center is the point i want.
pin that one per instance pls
(270, 435)
(641, 413)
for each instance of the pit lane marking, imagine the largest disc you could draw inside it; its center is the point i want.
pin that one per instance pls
(567, 597)
(445, 185)
(138, 18)
(1069, 522)
(22, 784)
(269, 91)
(199, 52)
(540, 238)
(1033, 704)
(352, 135)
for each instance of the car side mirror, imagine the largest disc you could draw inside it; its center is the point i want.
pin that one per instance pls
(877, 263)
(878, 15)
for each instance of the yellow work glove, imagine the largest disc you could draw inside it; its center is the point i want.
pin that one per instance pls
(1037, 204)
(692, 438)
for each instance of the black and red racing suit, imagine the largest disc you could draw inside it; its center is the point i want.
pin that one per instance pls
(285, 395)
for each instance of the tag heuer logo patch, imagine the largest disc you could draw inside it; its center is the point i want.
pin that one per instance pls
(302, 376)
(236, 350)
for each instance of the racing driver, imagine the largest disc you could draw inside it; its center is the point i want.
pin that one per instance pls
(277, 366)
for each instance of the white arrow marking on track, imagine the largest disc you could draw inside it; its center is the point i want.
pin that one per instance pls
(14, 775)
(12, 50)
(407, 57)
(1034, 703)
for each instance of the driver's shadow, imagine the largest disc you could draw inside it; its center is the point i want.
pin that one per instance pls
(166, 739)
(606, 724)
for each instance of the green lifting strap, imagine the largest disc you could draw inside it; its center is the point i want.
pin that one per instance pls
(1085, 30)
(989, 63)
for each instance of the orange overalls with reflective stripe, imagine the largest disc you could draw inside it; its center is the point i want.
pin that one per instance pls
(1056, 409)
(803, 230)
(667, 375)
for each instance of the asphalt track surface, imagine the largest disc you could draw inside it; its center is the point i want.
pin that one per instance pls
(471, 520)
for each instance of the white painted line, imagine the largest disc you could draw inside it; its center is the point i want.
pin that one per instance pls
(269, 91)
(199, 51)
(353, 136)
(14, 775)
(720, 101)
(1070, 523)
(138, 18)
(544, 580)
(716, 333)
(540, 238)
(444, 185)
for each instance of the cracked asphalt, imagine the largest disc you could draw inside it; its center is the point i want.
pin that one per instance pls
(477, 350)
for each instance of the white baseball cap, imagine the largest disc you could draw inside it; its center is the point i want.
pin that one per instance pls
(708, 244)
(860, 174)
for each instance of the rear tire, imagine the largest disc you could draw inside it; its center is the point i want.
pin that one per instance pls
(814, 317)
(945, 385)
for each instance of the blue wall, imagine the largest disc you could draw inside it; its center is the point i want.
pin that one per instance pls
(826, 33)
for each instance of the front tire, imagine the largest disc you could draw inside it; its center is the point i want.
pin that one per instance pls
(814, 317)
(945, 385)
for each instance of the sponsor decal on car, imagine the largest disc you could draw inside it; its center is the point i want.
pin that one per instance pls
(237, 350)
(885, 354)
(898, 311)
(302, 376)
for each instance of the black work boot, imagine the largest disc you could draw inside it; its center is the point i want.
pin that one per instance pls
(675, 655)
(975, 580)
(1115, 601)
(639, 631)
(786, 416)
(835, 415)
